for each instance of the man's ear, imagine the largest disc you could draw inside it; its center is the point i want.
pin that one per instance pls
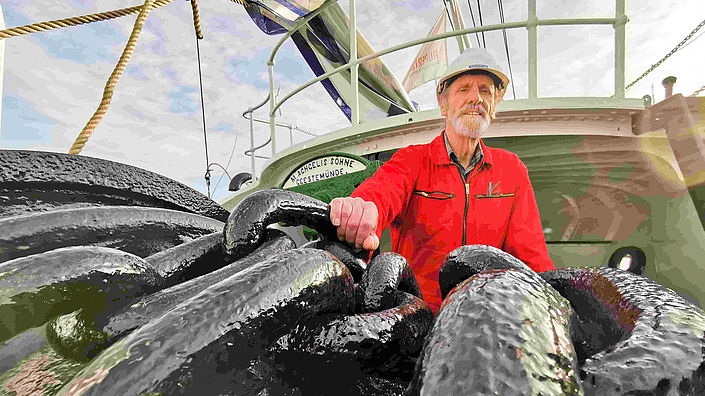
(498, 95)
(443, 105)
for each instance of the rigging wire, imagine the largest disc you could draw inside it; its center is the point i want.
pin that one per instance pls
(448, 13)
(472, 16)
(693, 40)
(221, 167)
(673, 51)
(207, 176)
(479, 12)
(229, 159)
(506, 45)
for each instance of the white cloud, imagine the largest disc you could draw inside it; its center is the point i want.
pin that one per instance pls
(154, 120)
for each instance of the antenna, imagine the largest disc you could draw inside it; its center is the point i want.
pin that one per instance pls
(652, 92)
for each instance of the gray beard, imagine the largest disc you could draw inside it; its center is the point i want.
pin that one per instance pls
(472, 128)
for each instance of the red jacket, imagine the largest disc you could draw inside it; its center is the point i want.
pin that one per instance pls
(431, 210)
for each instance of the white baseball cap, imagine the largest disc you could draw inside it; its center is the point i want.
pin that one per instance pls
(475, 59)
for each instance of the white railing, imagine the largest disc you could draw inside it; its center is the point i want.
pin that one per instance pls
(531, 24)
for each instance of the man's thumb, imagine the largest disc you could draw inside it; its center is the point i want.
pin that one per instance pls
(371, 242)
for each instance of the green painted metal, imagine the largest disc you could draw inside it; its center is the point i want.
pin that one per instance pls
(252, 134)
(619, 49)
(463, 41)
(341, 186)
(347, 139)
(531, 23)
(355, 105)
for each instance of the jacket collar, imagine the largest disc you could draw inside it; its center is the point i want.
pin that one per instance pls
(440, 155)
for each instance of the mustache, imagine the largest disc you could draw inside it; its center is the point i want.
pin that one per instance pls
(473, 108)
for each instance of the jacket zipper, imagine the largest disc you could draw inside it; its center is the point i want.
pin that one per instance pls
(467, 201)
(440, 195)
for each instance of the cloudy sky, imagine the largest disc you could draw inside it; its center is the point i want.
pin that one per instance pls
(53, 81)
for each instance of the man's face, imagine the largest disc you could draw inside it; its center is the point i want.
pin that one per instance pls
(470, 105)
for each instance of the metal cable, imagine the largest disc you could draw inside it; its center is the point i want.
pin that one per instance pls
(221, 167)
(229, 159)
(207, 176)
(199, 36)
(479, 12)
(472, 16)
(448, 13)
(693, 40)
(506, 46)
(673, 51)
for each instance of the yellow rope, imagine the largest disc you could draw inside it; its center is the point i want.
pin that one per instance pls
(112, 81)
(75, 21)
(196, 20)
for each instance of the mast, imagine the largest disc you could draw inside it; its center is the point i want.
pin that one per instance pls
(458, 24)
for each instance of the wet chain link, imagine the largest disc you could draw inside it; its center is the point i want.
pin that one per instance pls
(673, 51)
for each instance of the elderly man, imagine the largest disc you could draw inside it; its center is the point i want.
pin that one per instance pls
(453, 191)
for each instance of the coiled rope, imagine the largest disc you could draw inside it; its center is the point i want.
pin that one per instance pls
(75, 21)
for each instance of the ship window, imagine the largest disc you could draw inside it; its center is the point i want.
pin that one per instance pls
(630, 259)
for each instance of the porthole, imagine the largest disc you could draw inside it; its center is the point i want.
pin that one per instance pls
(630, 259)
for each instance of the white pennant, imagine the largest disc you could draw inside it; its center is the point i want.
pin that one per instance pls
(431, 61)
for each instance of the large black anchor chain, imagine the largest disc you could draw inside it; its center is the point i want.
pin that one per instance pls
(92, 332)
(613, 332)
(212, 337)
(388, 326)
(501, 330)
(633, 335)
(36, 288)
(237, 309)
(206, 311)
(378, 345)
(137, 230)
(247, 224)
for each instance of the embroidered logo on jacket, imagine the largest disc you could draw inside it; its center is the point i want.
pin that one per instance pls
(492, 194)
